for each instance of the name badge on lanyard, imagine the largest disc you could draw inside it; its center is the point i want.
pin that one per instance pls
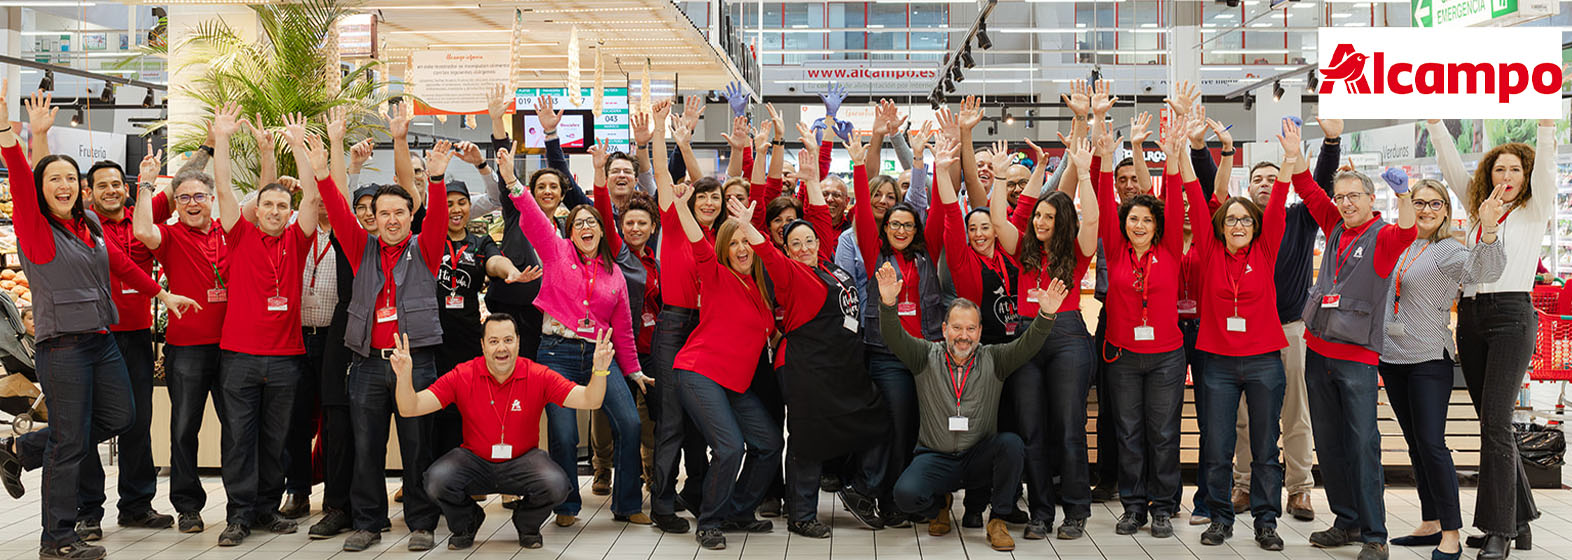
(959, 423)
(386, 314)
(1144, 333)
(278, 303)
(849, 323)
(218, 295)
(1396, 329)
(502, 451)
(649, 319)
(1331, 301)
(453, 301)
(1009, 328)
(1236, 324)
(586, 327)
(906, 309)
(1187, 307)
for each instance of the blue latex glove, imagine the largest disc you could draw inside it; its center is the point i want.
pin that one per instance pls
(842, 129)
(737, 97)
(1397, 179)
(832, 98)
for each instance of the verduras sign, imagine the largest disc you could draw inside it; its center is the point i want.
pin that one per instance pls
(1467, 73)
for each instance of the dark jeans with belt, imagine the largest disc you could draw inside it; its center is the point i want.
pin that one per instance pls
(677, 437)
(303, 420)
(1495, 341)
(1261, 381)
(997, 459)
(138, 476)
(571, 358)
(1203, 469)
(1048, 395)
(538, 482)
(1151, 390)
(1107, 428)
(736, 426)
(259, 395)
(900, 394)
(371, 389)
(338, 434)
(192, 374)
(1420, 394)
(1342, 397)
(88, 395)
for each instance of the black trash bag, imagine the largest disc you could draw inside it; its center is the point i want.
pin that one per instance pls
(1545, 446)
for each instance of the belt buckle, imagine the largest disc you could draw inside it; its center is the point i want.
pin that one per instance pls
(387, 354)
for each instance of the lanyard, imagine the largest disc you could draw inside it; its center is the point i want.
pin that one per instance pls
(1233, 281)
(316, 257)
(1139, 266)
(1479, 231)
(453, 264)
(908, 277)
(210, 248)
(1398, 281)
(502, 437)
(389, 287)
(275, 265)
(959, 387)
(589, 285)
(1344, 252)
(1000, 269)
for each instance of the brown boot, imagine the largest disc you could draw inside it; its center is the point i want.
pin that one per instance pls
(999, 536)
(601, 486)
(1241, 499)
(940, 526)
(1299, 506)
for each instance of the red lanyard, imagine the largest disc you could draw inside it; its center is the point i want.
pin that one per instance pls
(502, 437)
(1398, 280)
(453, 264)
(908, 277)
(959, 387)
(997, 266)
(1344, 252)
(1139, 266)
(589, 284)
(389, 287)
(1479, 233)
(276, 264)
(316, 257)
(1228, 271)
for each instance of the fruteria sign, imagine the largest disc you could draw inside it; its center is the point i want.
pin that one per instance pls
(1467, 73)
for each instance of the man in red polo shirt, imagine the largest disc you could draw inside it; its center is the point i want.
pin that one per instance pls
(500, 397)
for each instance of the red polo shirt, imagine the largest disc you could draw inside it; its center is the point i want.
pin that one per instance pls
(507, 412)
(135, 307)
(196, 262)
(734, 326)
(264, 267)
(680, 279)
(1239, 284)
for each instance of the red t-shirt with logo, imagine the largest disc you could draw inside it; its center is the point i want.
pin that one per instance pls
(507, 412)
(265, 267)
(196, 262)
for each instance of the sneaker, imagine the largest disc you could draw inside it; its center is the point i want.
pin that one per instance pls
(1217, 533)
(811, 528)
(233, 535)
(1373, 551)
(361, 540)
(1162, 526)
(461, 541)
(78, 550)
(1036, 530)
(972, 520)
(333, 522)
(895, 520)
(1333, 537)
(11, 475)
(191, 522)
(89, 530)
(295, 506)
(421, 540)
(639, 518)
(670, 523)
(999, 536)
(601, 485)
(829, 482)
(1072, 529)
(562, 520)
(1267, 539)
(1129, 523)
(770, 507)
(713, 539)
(278, 525)
(531, 540)
(861, 506)
(747, 525)
(149, 519)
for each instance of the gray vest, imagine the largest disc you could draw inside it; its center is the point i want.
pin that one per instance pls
(636, 277)
(1357, 319)
(415, 295)
(71, 292)
(931, 308)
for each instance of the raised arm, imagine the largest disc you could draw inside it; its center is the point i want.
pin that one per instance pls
(590, 396)
(1545, 176)
(903, 151)
(40, 118)
(690, 225)
(663, 179)
(1225, 169)
(967, 119)
(403, 169)
(1447, 158)
(223, 127)
(999, 214)
(639, 122)
(1138, 136)
(1173, 200)
(738, 140)
(603, 197)
(867, 231)
(918, 194)
(952, 236)
(142, 223)
(886, 121)
(909, 349)
(550, 118)
(338, 120)
(1331, 150)
(295, 137)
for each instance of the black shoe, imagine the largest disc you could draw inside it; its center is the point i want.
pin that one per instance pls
(531, 540)
(861, 506)
(770, 507)
(1377, 551)
(461, 541)
(811, 528)
(333, 522)
(895, 520)
(278, 525)
(421, 540)
(361, 540)
(669, 522)
(1431, 539)
(1267, 539)
(1495, 548)
(1524, 539)
(191, 522)
(747, 525)
(1129, 523)
(1162, 526)
(1333, 537)
(1218, 532)
(1017, 517)
(78, 550)
(972, 520)
(1072, 529)
(829, 483)
(233, 535)
(1036, 530)
(296, 506)
(713, 539)
(11, 473)
(89, 530)
(149, 519)
(681, 504)
(1103, 493)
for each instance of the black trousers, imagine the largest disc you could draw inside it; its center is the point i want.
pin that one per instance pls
(259, 394)
(304, 419)
(192, 373)
(1495, 341)
(138, 477)
(677, 437)
(538, 482)
(1419, 394)
(371, 406)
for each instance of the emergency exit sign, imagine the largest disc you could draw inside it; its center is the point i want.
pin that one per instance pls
(1463, 13)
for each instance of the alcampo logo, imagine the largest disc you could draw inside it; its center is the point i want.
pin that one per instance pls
(1360, 73)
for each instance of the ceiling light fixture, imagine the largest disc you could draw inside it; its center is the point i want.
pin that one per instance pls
(1277, 91)
(48, 83)
(982, 37)
(108, 95)
(147, 101)
(76, 120)
(966, 58)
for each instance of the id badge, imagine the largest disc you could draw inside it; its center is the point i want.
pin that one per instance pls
(218, 295)
(127, 291)
(1331, 301)
(649, 319)
(1236, 324)
(1009, 328)
(1396, 329)
(453, 302)
(1144, 332)
(960, 423)
(906, 309)
(502, 451)
(278, 303)
(586, 326)
(387, 314)
(849, 323)
(1187, 307)
(1031, 298)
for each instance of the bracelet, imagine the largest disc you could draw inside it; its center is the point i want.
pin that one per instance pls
(1332, 141)
(208, 149)
(6, 129)
(147, 185)
(602, 372)
(552, 132)
(435, 178)
(1227, 152)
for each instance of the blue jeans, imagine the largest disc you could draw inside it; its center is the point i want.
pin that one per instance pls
(900, 394)
(677, 437)
(1203, 468)
(88, 394)
(1151, 390)
(192, 373)
(138, 477)
(371, 403)
(1342, 397)
(995, 462)
(1261, 380)
(259, 395)
(572, 359)
(1048, 395)
(736, 425)
(1419, 394)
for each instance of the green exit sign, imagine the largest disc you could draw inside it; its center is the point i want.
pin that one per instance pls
(1449, 13)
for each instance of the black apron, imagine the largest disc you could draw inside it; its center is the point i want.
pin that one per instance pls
(834, 407)
(1000, 323)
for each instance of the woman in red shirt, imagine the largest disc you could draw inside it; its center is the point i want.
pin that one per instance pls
(1049, 392)
(1143, 346)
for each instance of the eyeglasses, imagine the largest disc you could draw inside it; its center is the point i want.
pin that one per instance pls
(585, 223)
(198, 198)
(1014, 184)
(1433, 205)
(1232, 221)
(1347, 197)
(901, 226)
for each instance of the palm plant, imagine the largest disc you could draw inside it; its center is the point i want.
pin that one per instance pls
(288, 69)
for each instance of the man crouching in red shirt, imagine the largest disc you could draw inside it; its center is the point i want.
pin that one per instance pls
(498, 393)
